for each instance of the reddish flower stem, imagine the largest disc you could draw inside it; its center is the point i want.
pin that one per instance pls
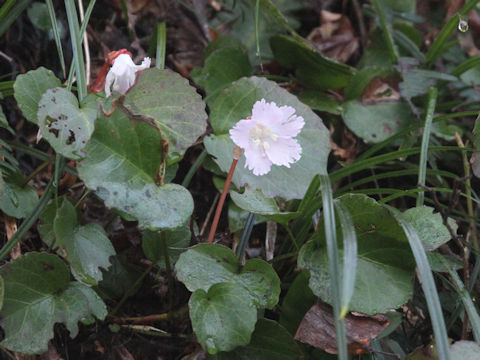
(237, 154)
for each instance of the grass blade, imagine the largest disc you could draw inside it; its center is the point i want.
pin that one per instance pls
(161, 45)
(422, 168)
(333, 264)
(466, 299)
(58, 41)
(75, 37)
(10, 16)
(349, 256)
(392, 50)
(429, 289)
(466, 65)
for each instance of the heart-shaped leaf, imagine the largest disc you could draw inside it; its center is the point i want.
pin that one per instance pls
(29, 88)
(383, 254)
(375, 123)
(235, 103)
(222, 318)
(17, 199)
(38, 294)
(122, 160)
(175, 106)
(269, 341)
(88, 247)
(204, 265)
(63, 124)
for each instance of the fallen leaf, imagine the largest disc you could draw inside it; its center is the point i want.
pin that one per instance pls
(335, 38)
(380, 90)
(318, 329)
(347, 148)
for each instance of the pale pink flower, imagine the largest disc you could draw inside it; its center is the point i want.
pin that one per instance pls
(267, 137)
(122, 74)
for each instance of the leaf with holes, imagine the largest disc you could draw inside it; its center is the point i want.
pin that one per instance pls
(383, 254)
(204, 265)
(235, 103)
(122, 162)
(222, 318)
(29, 88)
(65, 125)
(175, 106)
(38, 294)
(88, 247)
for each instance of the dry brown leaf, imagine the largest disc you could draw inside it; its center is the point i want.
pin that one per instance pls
(318, 329)
(335, 37)
(347, 148)
(380, 90)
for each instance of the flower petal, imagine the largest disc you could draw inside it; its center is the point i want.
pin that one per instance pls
(289, 128)
(255, 161)
(240, 133)
(284, 151)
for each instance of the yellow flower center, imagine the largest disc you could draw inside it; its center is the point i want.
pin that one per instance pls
(261, 137)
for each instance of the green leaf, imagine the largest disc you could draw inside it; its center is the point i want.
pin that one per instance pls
(63, 124)
(383, 254)
(88, 247)
(38, 14)
(269, 341)
(204, 265)
(119, 279)
(298, 300)
(178, 241)
(29, 88)
(311, 67)
(38, 294)
(17, 200)
(223, 318)
(475, 159)
(122, 161)
(320, 101)
(256, 202)
(429, 226)
(223, 65)
(375, 123)
(175, 106)
(465, 350)
(360, 80)
(235, 103)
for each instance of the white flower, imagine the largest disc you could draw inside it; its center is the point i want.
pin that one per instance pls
(122, 74)
(268, 136)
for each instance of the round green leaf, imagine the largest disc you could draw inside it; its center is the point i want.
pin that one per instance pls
(226, 63)
(63, 124)
(122, 160)
(38, 293)
(175, 106)
(235, 103)
(375, 123)
(465, 350)
(223, 318)
(16, 199)
(29, 88)
(383, 255)
(429, 226)
(204, 265)
(88, 247)
(269, 341)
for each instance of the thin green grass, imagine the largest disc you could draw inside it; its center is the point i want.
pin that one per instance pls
(11, 13)
(422, 168)
(349, 256)
(333, 264)
(56, 35)
(161, 45)
(429, 289)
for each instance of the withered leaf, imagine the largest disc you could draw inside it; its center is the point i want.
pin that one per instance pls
(318, 329)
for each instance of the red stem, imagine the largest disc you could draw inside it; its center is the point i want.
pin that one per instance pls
(237, 153)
